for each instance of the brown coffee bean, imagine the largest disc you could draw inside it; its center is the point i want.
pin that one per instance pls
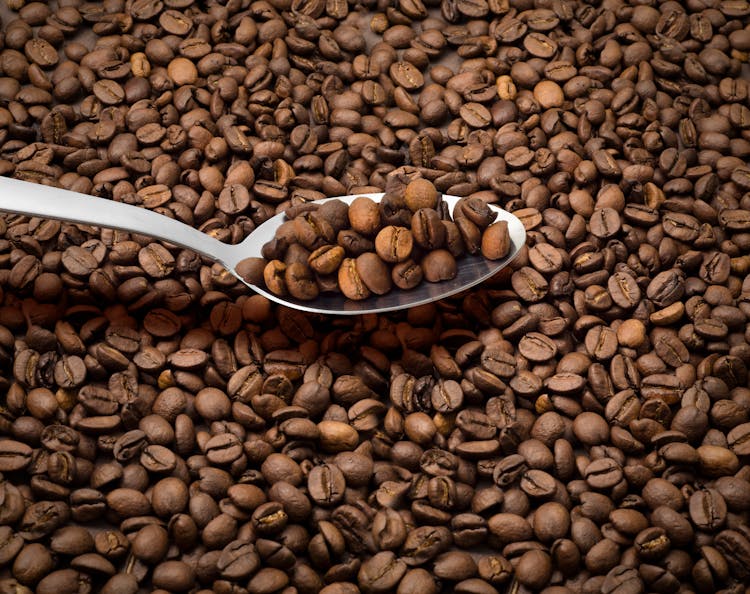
(529, 284)
(496, 241)
(173, 575)
(326, 259)
(439, 265)
(364, 216)
(109, 92)
(470, 234)
(425, 543)
(300, 282)
(64, 580)
(156, 260)
(427, 229)
(537, 347)
(534, 569)
(14, 455)
(736, 549)
(374, 273)
(605, 222)
(41, 52)
(545, 258)
(603, 473)
(150, 544)
(326, 484)
(407, 275)
(350, 282)
(406, 75)
(381, 573)
(420, 193)
(394, 244)
(707, 509)
(274, 276)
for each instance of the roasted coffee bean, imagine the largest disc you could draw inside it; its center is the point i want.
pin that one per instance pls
(381, 573)
(350, 282)
(624, 290)
(496, 241)
(374, 273)
(394, 244)
(537, 347)
(439, 265)
(425, 543)
(407, 275)
(14, 455)
(326, 484)
(427, 229)
(406, 75)
(707, 509)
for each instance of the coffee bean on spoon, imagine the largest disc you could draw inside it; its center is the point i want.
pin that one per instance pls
(427, 229)
(326, 259)
(439, 265)
(496, 241)
(300, 281)
(407, 275)
(374, 273)
(350, 281)
(394, 244)
(420, 193)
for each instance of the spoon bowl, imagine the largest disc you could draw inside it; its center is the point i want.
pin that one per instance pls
(35, 200)
(472, 270)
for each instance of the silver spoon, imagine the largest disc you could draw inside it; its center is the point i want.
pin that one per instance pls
(36, 200)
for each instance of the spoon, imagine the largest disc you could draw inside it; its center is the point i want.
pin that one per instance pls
(36, 200)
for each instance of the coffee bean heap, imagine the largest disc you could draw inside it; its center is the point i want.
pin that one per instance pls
(581, 424)
(367, 248)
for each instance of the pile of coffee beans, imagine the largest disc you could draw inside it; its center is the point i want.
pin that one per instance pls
(367, 247)
(580, 424)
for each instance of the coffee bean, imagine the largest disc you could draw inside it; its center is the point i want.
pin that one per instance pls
(537, 347)
(439, 265)
(537, 483)
(603, 473)
(350, 282)
(470, 234)
(41, 52)
(605, 222)
(374, 273)
(64, 580)
(529, 284)
(624, 290)
(381, 573)
(406, 75)
(427, 229)
(545, 258)
(707, 509)
(394, 244)
(496, 241)
(735, 548)
(14, 455)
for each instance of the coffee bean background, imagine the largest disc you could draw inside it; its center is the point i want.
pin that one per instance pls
(579, 424)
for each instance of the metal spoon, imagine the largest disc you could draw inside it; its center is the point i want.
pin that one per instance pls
(35, 200)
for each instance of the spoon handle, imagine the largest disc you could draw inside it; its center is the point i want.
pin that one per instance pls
(36, 200)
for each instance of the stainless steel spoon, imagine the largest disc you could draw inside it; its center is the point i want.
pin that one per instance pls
(35, 200)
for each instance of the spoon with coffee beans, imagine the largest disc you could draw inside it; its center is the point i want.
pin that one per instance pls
(355, 254)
